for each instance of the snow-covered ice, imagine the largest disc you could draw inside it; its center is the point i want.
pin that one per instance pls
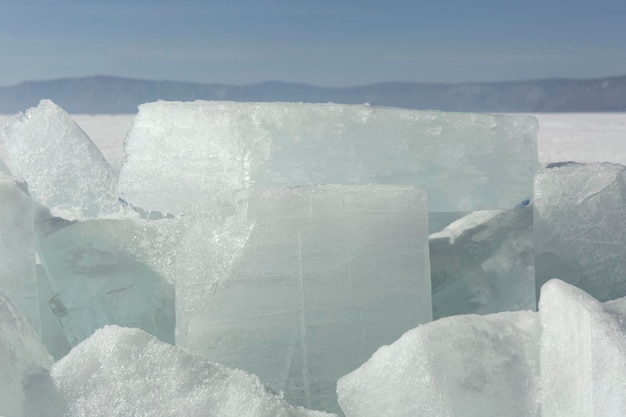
(583, 354)
(127, 372)
(65, 171)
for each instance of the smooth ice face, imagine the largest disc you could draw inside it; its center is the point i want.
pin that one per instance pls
(64, 169)
(483, 263)
(17, 248)
(461, 366)
(22, 356)
(177, 151)
(301, 285)
(580, 227)
(101, 275)
(583, 354)
(4, 169)
(124, 372)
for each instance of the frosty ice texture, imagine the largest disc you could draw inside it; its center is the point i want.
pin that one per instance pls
(21, 356)
(580, 227)
(301, 285)
(17, 245)
(483, 263)
(97, 279)
(63, 168)
(461, 366)
(127, 372)
(177, 151)
(583, 354)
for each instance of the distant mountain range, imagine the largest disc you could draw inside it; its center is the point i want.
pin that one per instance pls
(104, 94)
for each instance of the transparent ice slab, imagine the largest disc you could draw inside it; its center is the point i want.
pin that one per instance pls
(301, 285)
(464, 161)
(483, 263)
(100, 275)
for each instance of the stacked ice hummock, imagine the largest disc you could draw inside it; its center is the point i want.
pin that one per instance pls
(258, 258)
(465, 162)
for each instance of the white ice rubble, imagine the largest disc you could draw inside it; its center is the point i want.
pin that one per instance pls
(569, 359)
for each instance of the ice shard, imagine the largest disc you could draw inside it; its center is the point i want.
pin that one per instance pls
(17, 248)
(461, 366)
(301, 285)
(466, 162)
(100, 275)
(64, 169)
(22, 356)
(580, 227)
(583, 354)
(127, 372)
(483, 263)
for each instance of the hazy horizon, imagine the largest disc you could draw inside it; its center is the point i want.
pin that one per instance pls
(325, 43)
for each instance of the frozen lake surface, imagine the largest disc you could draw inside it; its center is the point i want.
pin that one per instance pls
(581, 137)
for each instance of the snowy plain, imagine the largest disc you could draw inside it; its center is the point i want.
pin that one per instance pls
(580, 137)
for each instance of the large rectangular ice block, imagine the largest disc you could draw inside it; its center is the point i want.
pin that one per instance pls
(301, 285)
(483, 263)
(177, 151)
(99, 277)
(17, 248)
(583, 354)
(64, 169)
(580, 227)
(127, 372)
(460, 366)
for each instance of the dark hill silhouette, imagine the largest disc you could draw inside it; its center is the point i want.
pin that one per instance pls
(105, 94)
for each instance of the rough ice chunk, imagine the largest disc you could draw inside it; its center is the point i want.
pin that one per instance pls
(22, 356)
(583, 354)
(580, 227)
(300, 286)
(469, 366)
(100, 276)
(127, 372)
(17, 248)
(177, 151)
(483, 263)
(64, 169)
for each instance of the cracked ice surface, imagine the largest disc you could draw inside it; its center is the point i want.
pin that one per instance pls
(465, 162)
(580, 227)
(301, 285)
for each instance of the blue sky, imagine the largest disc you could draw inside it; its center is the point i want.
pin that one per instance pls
(323, 42)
